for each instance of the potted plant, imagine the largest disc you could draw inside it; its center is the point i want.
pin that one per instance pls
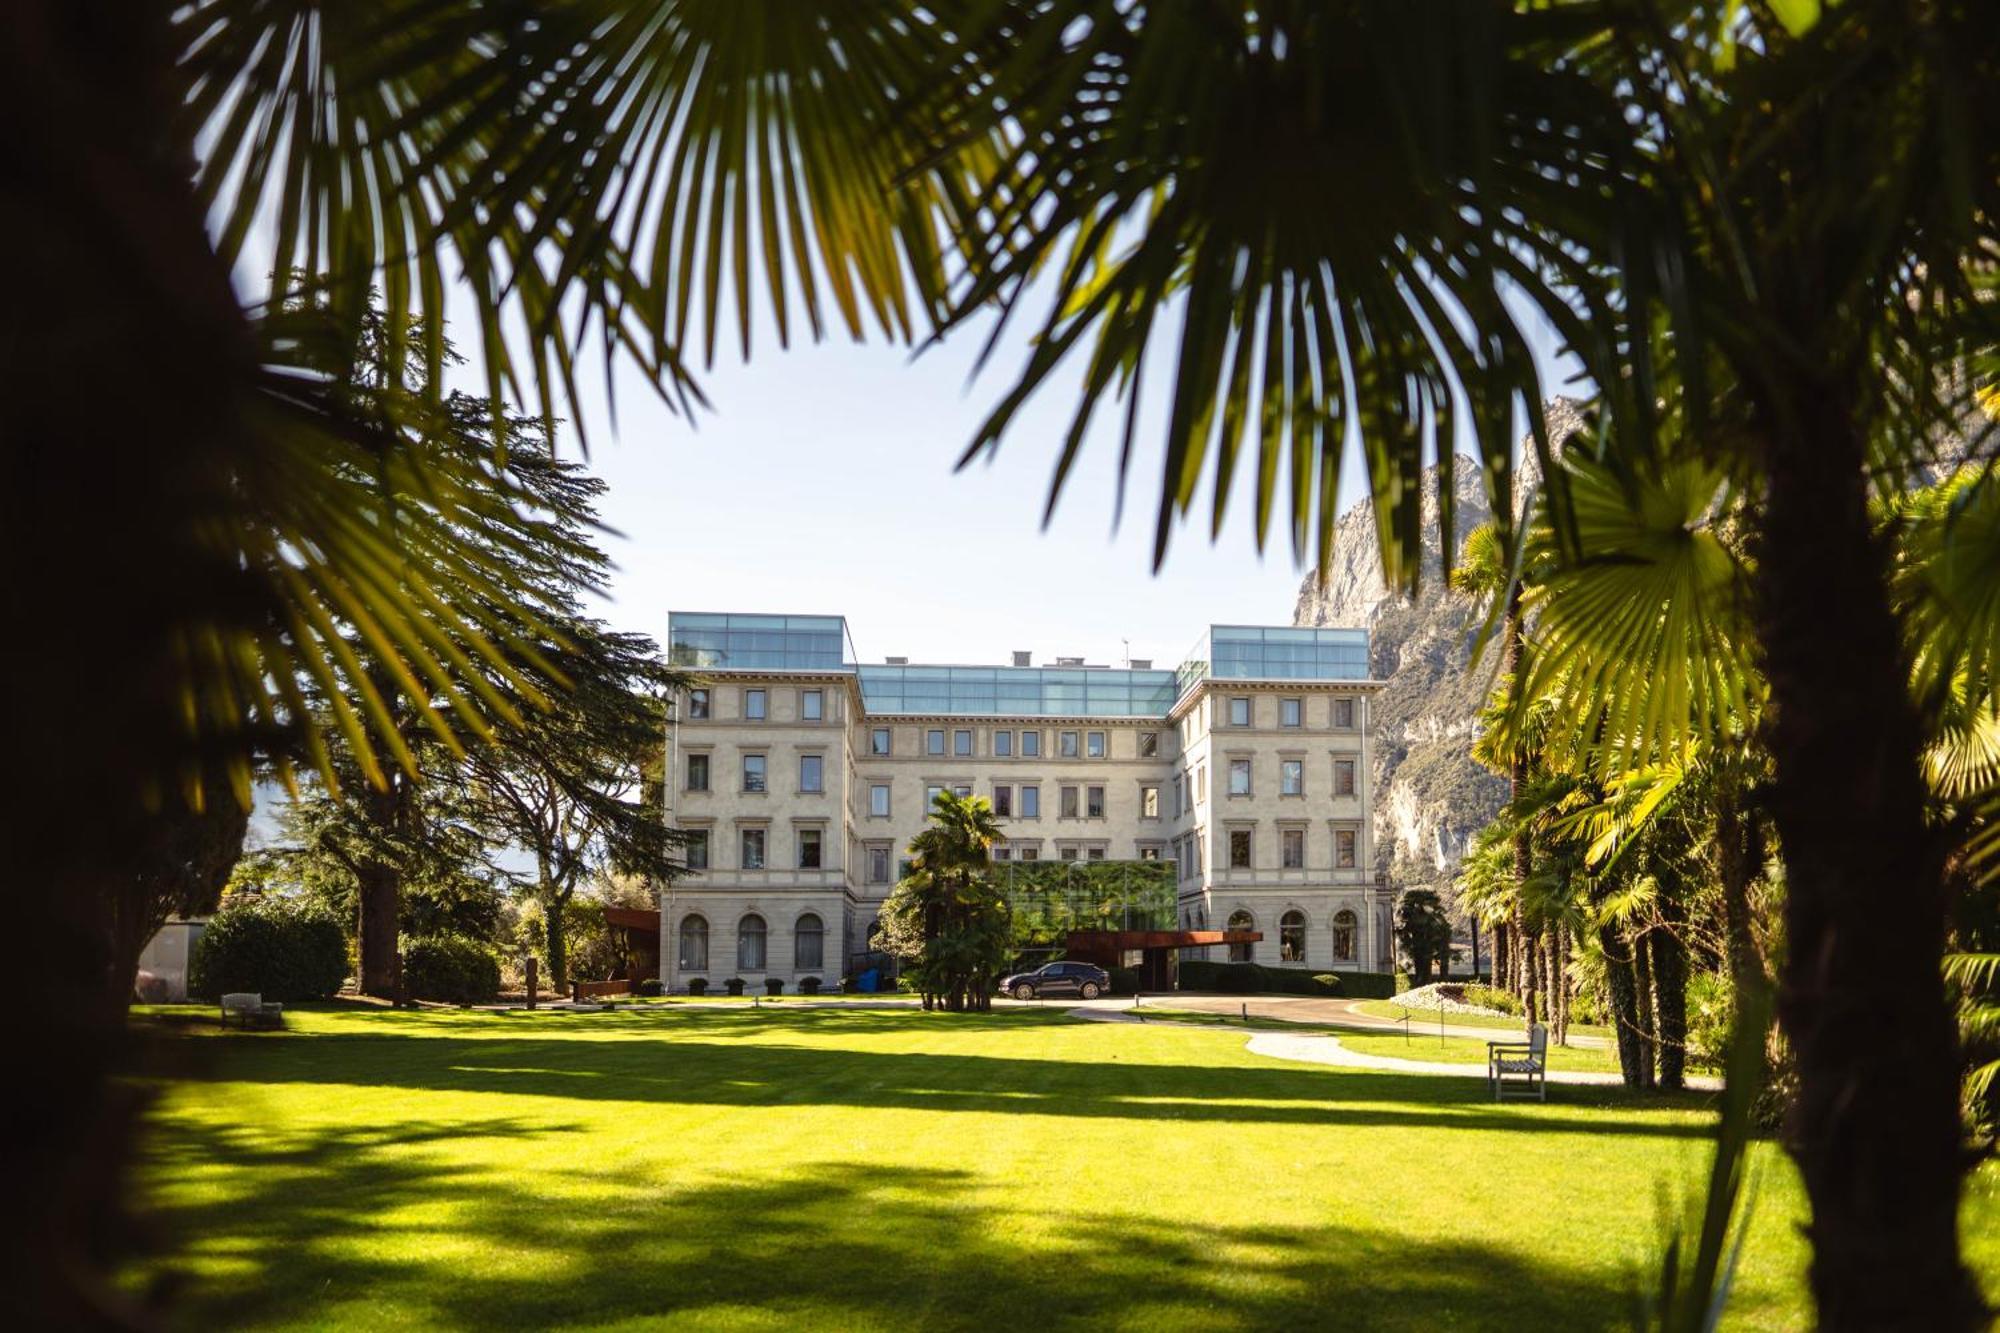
(698, 986)
(774, 986)
(808, 985)
(735, 985)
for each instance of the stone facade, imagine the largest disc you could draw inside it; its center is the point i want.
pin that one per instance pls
(802, 797)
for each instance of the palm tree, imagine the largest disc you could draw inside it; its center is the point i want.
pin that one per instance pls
(947, 918)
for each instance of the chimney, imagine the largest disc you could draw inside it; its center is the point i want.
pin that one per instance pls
(1141, 664)
(1022, 658)
(897, 661)
(1069, 661)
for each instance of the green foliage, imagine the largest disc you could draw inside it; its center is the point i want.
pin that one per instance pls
(1489, 997)
(1125, 980)
(652, 986)
(809, 985)
(948, 921)
(1256, 979)
(275, 947)
(1424, 931)
(1711, 1018)
(698, 986)
(1049, 899)
(774, 985)
(451, 969)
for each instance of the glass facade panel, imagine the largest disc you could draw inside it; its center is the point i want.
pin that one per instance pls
(757, 642)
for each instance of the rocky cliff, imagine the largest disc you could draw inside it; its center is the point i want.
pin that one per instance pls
(1430, 797)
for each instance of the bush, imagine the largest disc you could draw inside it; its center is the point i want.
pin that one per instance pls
(1711, 1004)
(1327, 982)
(698, 986)
(1125, 980)
(1487, 997)
(1403, 982)
(735, 985)
(1585, 1008)
(1255, 979)
(774, 986)
(809, 985)
(651, 987)
(451, 969)
(271, 947)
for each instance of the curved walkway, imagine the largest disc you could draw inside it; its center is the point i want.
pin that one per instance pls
(1348, 1013)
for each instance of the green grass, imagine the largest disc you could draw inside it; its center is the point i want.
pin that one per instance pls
(687, 1167)
(1418, 1017)
(1463, 1050)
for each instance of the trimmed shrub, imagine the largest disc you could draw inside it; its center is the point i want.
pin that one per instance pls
(1125, 981)
(1367, 985)
(698, 986)
(1327, 982)
(735, 985)
(774, 986)
(809, 985)
(1489, 997)
(451, 969)
(271, 947)
(1256, 979)
(651, 987)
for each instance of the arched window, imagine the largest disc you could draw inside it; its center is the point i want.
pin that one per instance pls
(750, 944)
(1246, 952)
(694, 943)
(1292, 937)
(1343, 935)
(809, 942)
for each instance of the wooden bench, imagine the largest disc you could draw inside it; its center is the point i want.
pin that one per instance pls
(594, 990)
(248, 1009)
(1525, 1063)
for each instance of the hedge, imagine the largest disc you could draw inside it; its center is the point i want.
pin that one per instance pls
(1255, 979)
(450, 969)
(272, 948)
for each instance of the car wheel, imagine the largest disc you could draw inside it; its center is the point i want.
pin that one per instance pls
(1024, 991)
(1089, 991)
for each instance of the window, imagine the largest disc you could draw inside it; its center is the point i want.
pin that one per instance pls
(934, 741)
(1066, 853)
(1093, 802)
(1149, 853)
(1003, 744)
(1343, 935)
(694, 944)
(697, 772)
(809, 942)
(1343, 848)
(810, 766)
(698, 707)
(753, 772)
(695, 850)
(1149, 744)
(1031, 853)
(878, 865)
(878, 800)
(1067, 809)
(930, 798)
(1343, 713)
(1239, 712)
(1180, 796)
(809, 849)
(1292, 842)
(753, 849)
(1292, 777)
(812, 705)
(1002, 854)
(1093, 744)
(1343, 777)
(961, 743)
(1239, 849)
(1292, 937)
(1149, 802)
(1201, 782)
(750, 943)
(1066, 744)
(1245, 951)
(1239, 777)
(878, 741)
(1031, 744)
(1031, 802)
(1289, 711)
(1003, 802)
(1095, 854)
(753, 705)
(963, 791)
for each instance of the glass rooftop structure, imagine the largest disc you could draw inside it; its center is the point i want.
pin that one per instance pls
(1018, 691)
(766, 643)
(1276, 652)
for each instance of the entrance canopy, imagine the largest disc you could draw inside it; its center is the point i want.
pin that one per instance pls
(1107, 948)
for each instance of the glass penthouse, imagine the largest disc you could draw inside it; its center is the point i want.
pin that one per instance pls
(800, 774)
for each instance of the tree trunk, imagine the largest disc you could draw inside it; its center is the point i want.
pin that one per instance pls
(1529, 968)
(1737, 858)
(1559, 984)
(1624, 997)
(380, 907)
(1642, 994)
(1875, 1126)
(1503, 977)
(554, 907)
(1670, 986)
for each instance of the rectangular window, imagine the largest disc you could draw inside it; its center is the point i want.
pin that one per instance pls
(1067, 808)
(1149, 802)
(1149, 744)
(1292, 778)
(1293, 844)
(930, 798)
(1031, 744)
(1031, 802)
(1180, 796)
(812, 705)
(1239, 849)
(1003, 854)
(878, 800)
(1343, 712)
(1003, 802)
(697, 703)
(695, 851)
(878, 865)
(934, 741)
(1343, 848)
(753, 772)
(1096, 854)
(1239, 777)
(1289, 711)
(1003, 744)
(1093, 802)
(753, 849)
(878, 741)
(1149, 853)
(810, 776)
(1093, 744)
(1066, 853)
(1343, 777)
(753, 705)
(963, 791)
(1239, 712)
(1066, 745)
(961, 743)
(1031, 853)
(697, 772)
(809, 845)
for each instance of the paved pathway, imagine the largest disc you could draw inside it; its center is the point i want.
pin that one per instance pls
(1348, 1013)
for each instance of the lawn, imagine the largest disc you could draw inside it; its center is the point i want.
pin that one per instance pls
(692, 1167)
(1419, 1017)
(1420, 1045)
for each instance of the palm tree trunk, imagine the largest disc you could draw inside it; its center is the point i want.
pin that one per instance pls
(1670, 986)
(1642, 992)
(1503, 977)
(1875, 1125)
(1624, 997)
(556, 939)
(1559, 984)
(1736, 858)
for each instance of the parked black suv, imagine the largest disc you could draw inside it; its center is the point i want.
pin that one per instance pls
(1084, 980)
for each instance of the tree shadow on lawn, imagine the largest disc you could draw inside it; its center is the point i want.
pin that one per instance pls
(708, 1062)
(314, 1238)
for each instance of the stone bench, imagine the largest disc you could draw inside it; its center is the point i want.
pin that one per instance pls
(248, 1009)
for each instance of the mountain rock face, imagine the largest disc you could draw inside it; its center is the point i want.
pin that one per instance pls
(1430, 796)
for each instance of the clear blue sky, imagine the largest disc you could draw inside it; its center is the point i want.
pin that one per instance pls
(821, 481)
